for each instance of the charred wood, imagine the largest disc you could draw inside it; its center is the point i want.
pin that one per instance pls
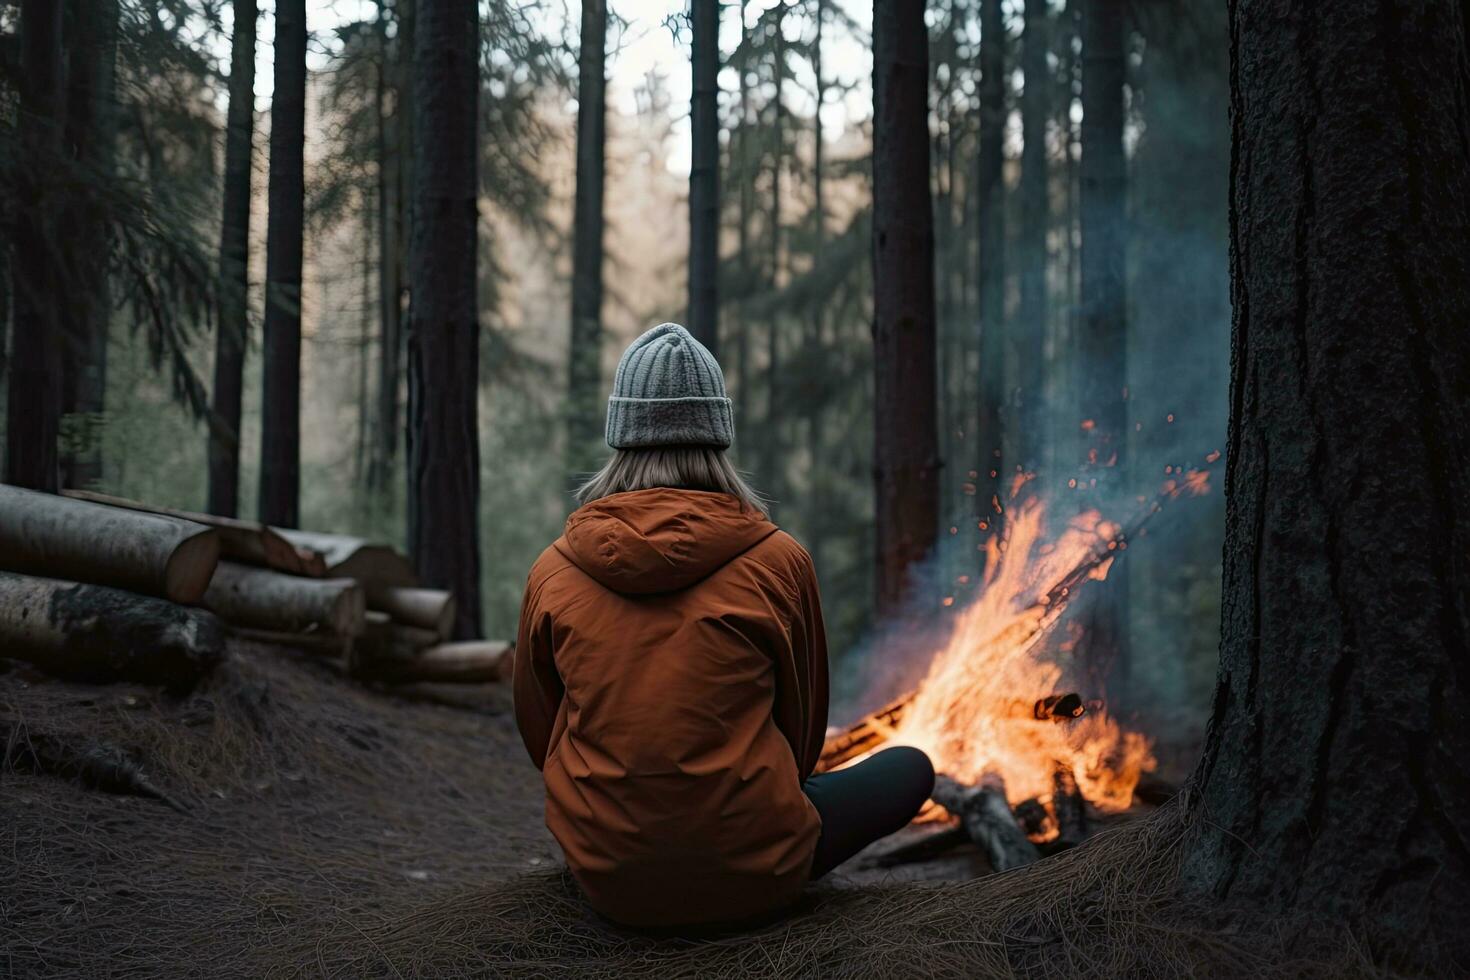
(988, 820)
(1069, 808)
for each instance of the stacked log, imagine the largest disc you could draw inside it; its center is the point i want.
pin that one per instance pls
(100, 634)
(72, 540)
(101, 587)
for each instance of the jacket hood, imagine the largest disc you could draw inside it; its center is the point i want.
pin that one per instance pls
(661, 540)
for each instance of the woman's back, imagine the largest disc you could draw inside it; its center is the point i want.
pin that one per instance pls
(671, 681)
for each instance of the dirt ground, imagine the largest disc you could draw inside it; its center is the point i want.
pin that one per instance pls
(313, 826)
(310, 799)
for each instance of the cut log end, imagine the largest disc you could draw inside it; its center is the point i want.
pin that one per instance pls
(190, 567)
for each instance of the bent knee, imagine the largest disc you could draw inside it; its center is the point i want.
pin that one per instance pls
(915, 772)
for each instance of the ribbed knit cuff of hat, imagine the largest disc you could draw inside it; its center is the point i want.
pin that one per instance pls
(694, 421)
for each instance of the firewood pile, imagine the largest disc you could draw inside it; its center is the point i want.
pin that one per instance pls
(100, 588)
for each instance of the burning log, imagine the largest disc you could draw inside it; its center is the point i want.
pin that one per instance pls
(261, 599)
(863, 736)
(1059, 707)
(94, 633)
(248, 542)
(987, 818)
(45, 534)
(1069, 808)
(428, 609)
(1032, 818)
(471, 662)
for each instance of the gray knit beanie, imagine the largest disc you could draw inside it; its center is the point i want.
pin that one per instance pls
(668, 392)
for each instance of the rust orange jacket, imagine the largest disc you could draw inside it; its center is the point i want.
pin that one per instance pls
(671, 684)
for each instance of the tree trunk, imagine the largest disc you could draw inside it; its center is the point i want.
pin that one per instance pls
(42, 534)
(772, 450)
(33, 413)
(815, 411)
(234, 262)
(390, 251)
(585, 408)
(704, 176)
(991, 219)
(906, 440)
(280, 438)
(1031, 325)
(444, 330)
(1333, 780)
(1102, 347)
(90, 138)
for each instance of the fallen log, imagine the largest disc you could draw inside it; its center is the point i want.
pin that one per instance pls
(429, 609)
(73, 540)
(262, 599)
(376, 566)
(318, 642)
(97, 634)
(986, 817)
(248, 542)
(471, 662)
(924, 847)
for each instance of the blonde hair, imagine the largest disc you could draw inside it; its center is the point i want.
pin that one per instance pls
(680, 467)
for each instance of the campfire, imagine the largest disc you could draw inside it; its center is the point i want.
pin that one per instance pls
(1021, 752)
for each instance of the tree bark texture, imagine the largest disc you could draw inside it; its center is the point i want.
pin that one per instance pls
(33, 412)
(444, 332)
(1031, 322)
(1102, 344)
(585, 406)
(704, 176)
(98, 634)
(90, 138)
(44, 534)
(280, 438)
(905, 450)
(394, 76)
(1334, 777)
(230, 340)
(990, 191)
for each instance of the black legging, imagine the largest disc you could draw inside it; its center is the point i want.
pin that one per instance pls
(866, 801)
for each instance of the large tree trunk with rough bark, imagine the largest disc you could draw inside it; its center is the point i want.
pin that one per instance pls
(280, 435)
(91, 142)
(1030, 326)
(704, 175)
(1102, 343)
(234, 263)
(906, 440)
(444, 331)
(1334, 778)
(990, 191)
(33, 394)
(585, 408)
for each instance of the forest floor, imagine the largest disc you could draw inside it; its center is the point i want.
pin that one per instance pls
(329, 829)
